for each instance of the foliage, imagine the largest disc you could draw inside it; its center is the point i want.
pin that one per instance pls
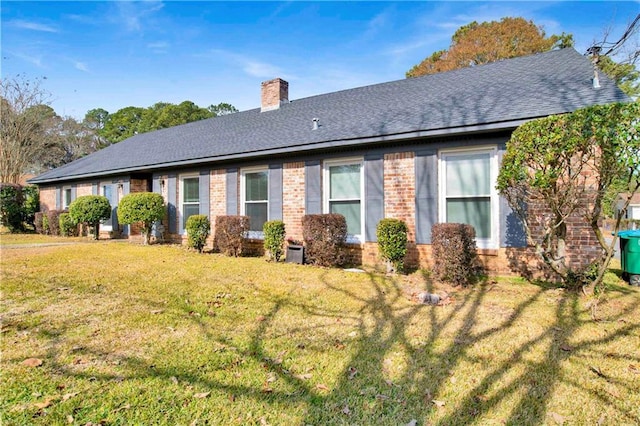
(91, 209)
(274, 233)
(324, 238)
(476, 44)
(568, 165)
(221, 109)
(198, 229)
(53, 222)
(144, 208)
(45, 224)
(39, 223)
(392, 242)
(454, 256)
(625, 75)
(11, 211)
(31, 203)
(230, 233)
(68, 226)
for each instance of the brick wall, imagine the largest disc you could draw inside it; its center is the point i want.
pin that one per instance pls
(218, 199)
(84, 189)
(293, 199)
(47, 198)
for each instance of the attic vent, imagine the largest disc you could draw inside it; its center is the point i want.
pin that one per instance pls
(316, 123)
(274, 93)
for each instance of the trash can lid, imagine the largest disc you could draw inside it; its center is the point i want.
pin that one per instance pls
(629, 233)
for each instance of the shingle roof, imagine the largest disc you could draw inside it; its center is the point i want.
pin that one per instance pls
(500, 95)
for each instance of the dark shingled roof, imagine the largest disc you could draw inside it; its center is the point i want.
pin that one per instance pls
(500, 95)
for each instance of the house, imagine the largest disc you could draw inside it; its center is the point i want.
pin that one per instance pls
(633, 209)
(425, 150)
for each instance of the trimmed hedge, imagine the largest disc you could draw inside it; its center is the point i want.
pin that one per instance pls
(198, 229)
(324, 238)
(53, 221)
(90, 209)
(144, 208)
(11, 210)
(274, 232)
(454, 255)
(39, 223)
(68, 226)
(392, 243)
(230, 233)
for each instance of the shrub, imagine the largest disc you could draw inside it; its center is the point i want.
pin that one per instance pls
(324, 238)
(38, 222)
(45, 224)
(198, 229)
(454, 252)
(274, 233)
(68, 226)
(11, 212)
(31, 204)
(53, 221)
(392, 243)
(90, 209)
(230, 233)
(144, 208)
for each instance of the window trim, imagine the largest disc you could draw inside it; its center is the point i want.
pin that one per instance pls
(257, 235)
(494, 200)
(326, 187)
(63, 192)
(181, 222)
(101, 187)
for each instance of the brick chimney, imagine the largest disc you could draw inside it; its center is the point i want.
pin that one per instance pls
(274, 93)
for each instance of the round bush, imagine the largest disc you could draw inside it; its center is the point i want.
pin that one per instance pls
(68, 226)
(144, 208)
(392, 242)
(198, 229)
(274, 233)
(91, 209)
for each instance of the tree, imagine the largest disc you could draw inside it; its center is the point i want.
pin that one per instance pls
(566, 166)
(90, 210)
(222, 109)
(625, 75)
(476, 44)
(122, 124)
(95, 119)
(144, 208)
(24, 118)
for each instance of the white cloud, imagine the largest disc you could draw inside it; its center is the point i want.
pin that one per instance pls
(34, 26)
(33, 60)
(82, 66)
(158, 46)
(132, 14)
(250, 66)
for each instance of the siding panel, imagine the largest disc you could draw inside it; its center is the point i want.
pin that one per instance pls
(373, 194)
(426, 165)
(275, 192)
(232, 192)
(313, 187)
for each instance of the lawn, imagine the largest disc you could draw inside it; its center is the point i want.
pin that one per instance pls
(129, 334)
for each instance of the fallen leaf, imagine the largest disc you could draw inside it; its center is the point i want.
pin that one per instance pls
(601, 419)
(70, 419)
(278, 359)
(482, 398)
(261, 318)
(32, 362)
(271, 377)
(124, 407)
(351, 373)
(44, 404)
(174, 380)
(157, 311)
(566, 348)
(413, 422)
(346, 410)
(338, 345)
(557, 418)
(597, 371)
(68, 396)
(381, 397)
(305, 376)
(453, 380)
(438, 404)
(321, 386)
(263, 421)
(202, 395)
(634, 369)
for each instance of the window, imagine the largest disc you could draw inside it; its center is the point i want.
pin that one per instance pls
(66, 198)
(343, 188)
(254, 194)
(467, 192)
(106, 189)
(190, 197)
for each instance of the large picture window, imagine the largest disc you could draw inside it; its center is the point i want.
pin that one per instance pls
(189, 197)
(343, 187)
(468, 195)
(255, 199)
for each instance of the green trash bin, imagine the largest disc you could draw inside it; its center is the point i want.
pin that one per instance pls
(630, 255)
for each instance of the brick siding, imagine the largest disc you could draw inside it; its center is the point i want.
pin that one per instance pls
(293, 199)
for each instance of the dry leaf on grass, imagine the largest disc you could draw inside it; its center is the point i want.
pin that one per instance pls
(322, 387)
(566, 348)
(305, 376)
(557, 418)
(46, 403)
(351, 373)
(437, 403)
(68, 396)
(174, 380)
(346, 411)
(413, 422)
(70, 419)
(634, 369)
(33, 362)
(202, 395)
(157, 311)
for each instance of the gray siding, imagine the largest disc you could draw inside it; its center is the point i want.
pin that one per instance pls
(512, 232)
(275, 192)
(426, 170)
(373, 194)
(232, 192)
(171, 203)
(204, 192)
(313, 187)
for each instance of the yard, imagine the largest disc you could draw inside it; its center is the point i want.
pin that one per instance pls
(128, 334)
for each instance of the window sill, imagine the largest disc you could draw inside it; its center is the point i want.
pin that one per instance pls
(487, 251)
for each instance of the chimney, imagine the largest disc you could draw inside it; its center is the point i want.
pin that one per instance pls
(274, 93)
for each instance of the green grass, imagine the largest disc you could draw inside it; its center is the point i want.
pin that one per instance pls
(161, 335)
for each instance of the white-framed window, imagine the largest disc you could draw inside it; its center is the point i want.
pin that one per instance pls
(189, 197)
(66, 197)
(468, 191)
(254, 198)
(107, 189)
(343, 187)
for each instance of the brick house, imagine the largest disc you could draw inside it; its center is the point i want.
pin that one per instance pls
(424, 150)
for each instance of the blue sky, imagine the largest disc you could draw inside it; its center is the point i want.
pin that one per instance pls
(117, 54)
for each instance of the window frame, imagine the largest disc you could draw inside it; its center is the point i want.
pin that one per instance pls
(181, 216)
(258, 235)
(65, 206)
(326, 192)
(494, 202)
(107, 225)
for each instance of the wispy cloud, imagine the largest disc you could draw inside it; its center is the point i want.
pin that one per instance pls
(132, 14)
(158, 47)
(82, 66)
(250, 66)
(35, 60)
(30, 25)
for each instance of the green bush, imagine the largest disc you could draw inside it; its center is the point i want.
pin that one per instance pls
(53, 221)
(144, 208)
(31, 204)
(230, 233)
(274, 233)
(324, 238)
(454, 255)
(90, 209)
(68, 226)
(45, 224)
(38, 222)
(392, 243)
(11, 211)
(198, 229)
